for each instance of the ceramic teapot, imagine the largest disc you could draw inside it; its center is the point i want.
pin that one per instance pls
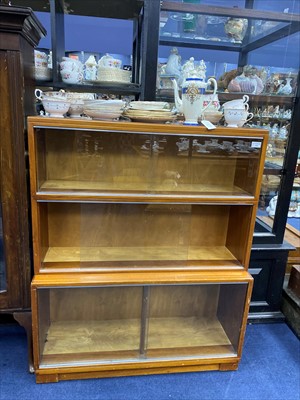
(70, 64)
(191, 104)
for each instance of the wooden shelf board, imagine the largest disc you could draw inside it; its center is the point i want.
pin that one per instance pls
(92, 336)
(72, 186)
(167, 333)
(77, 342)
(62, 255)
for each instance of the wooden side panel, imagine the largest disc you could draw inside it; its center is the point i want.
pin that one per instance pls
(231, 311)
(14, 184)
(239, 233)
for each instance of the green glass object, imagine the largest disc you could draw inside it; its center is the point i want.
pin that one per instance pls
(190, 20)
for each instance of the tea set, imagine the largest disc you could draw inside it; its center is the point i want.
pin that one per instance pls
(73, 71)
(58, 103)
(195, 104)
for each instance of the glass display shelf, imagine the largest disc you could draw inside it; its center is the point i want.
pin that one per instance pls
(138, 324)
(120, 236)
(122, 160)
(231, 38)
(226, 28)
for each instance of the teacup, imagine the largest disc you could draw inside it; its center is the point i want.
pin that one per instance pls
(236, 117)
(238, 103)
(72, 77)
(56, 107)
(40, 95)
(247, 117)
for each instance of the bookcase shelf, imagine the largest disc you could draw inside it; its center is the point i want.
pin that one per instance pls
(140, 256)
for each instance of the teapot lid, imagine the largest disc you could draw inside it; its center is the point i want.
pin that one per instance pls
(91, 61)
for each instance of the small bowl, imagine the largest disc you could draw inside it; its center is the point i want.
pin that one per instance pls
(213, 116)
(76, 108)
(56, 108)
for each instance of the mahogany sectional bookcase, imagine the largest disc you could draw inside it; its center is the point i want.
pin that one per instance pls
(141, 236)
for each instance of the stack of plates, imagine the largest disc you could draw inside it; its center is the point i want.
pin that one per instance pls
(103, 109)
(149, 111)
(149, 105)
(116, 75)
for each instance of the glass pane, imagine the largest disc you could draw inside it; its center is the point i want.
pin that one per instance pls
(3, 283)
(102, 325)
(271, 48)
(116, 236)
(195, 321)
(118, 162)
(286, 6)
(213, 30)
(88, 325)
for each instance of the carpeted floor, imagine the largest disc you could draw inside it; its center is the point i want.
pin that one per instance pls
(269, 370)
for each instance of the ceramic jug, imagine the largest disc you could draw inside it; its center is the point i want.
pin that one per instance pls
(90, 68)
(191, 104)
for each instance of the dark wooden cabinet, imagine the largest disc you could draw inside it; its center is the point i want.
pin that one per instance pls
(20, 32)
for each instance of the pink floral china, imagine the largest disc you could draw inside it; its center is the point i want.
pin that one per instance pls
(72, 77)
(109, 61)
(56, 108)
(40, 95)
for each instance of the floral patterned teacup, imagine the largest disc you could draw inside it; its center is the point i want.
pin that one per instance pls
(236, 117)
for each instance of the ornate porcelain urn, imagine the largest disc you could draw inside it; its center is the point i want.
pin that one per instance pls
(193, 89)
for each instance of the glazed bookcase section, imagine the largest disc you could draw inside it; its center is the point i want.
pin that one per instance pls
(73, 236)
(93, 160)
(127, 326)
